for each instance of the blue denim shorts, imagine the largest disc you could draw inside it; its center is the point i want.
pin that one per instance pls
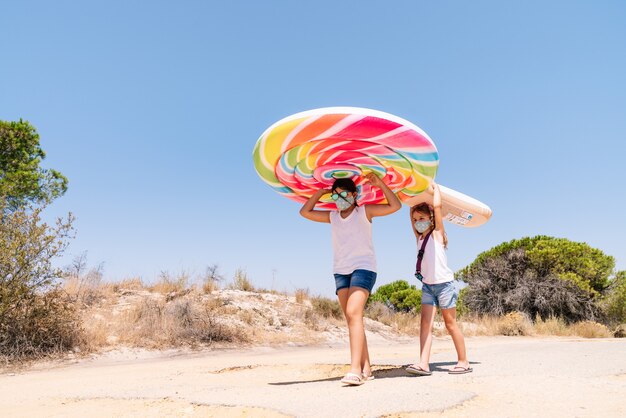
(443, 295)
(358, 278)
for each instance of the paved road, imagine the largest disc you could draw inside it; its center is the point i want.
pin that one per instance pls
(513, 377)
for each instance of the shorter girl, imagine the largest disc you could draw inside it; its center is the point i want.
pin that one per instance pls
(438, 285)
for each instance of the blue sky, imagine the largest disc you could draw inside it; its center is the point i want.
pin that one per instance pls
(152, 109)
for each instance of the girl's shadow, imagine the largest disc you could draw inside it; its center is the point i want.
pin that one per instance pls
(380, 372)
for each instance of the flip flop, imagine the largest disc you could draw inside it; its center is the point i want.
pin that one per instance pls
(460, 370)
(367, 376)
(417, 370)
(352, 379)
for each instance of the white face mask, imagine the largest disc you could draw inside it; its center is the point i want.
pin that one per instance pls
(344, 203)
(421, 226)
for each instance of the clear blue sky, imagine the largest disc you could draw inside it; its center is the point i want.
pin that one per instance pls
(151, 109)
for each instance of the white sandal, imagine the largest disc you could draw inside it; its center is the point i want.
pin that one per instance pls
(352, 379)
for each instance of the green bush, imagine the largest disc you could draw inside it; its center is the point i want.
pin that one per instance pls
(36, 318)
(615, 303)
(398, 295)
(587, 267)
(539, 276)
(461, 306)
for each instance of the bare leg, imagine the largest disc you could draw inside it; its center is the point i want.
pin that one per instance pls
(449, 317)
(352, 303)
(426, 334)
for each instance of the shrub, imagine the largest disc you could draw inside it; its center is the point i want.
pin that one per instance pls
(241, 281)
(587, 267)
(551, 326)
(515, 323)
(301, 295)
(81, 284)
(327, 308)
(171, 286)
(540, 276)
(590, 329)
(398, 295)
(188, 320)
(211, 279)
(35, 317)
(615, 303)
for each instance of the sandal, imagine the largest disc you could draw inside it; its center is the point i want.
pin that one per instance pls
(367, 377)
(352, 379)
(460, 370)
(417, 370)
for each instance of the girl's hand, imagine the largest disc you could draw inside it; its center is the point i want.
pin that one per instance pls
(374, 179)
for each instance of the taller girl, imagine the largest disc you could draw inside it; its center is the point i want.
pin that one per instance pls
(438, 285)
(354, 261)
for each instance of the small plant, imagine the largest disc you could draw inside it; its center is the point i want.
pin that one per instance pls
(241, 281)
(515, 323)
(81, 284)
(169, 285)
(302, 295)
(211, 279)
(326, 307)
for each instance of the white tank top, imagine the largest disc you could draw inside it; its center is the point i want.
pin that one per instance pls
(435, 262)
(352, 242)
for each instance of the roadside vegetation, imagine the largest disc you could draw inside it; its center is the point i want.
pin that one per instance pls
(530, 286)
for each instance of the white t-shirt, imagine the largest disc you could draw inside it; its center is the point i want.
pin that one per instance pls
(353, 248)
(435, 268)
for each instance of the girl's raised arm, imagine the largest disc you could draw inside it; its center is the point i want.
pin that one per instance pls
(310, 213)
(393, 203)
(439, 228)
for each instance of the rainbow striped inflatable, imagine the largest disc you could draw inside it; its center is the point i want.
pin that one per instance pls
(305, 152)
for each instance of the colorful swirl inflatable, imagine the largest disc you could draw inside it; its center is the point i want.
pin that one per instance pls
(307, 151)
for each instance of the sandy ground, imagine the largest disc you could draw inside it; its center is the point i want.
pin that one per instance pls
(513, 377)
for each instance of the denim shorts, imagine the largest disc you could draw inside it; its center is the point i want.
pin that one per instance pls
(443, 295)
(358, 278)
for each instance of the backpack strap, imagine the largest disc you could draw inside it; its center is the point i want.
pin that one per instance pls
(420, 257)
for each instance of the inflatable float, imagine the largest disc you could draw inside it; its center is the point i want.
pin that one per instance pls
(307, 151)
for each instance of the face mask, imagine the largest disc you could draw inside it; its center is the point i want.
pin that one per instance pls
(344, 203)
(421, 226)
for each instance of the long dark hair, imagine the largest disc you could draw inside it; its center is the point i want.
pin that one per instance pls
(346, 184)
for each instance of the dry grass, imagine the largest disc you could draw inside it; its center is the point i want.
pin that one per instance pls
(403, 322)
(326, 308)
(133, 283)
(590, 329)
(551, 326)
(171, 314)
(210, 286)
(301, 295)
(514, 323)
(156, 322)
(241, 281)
(168, 284)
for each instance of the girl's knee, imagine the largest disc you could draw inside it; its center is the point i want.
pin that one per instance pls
(353, 313)
(451, 327)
